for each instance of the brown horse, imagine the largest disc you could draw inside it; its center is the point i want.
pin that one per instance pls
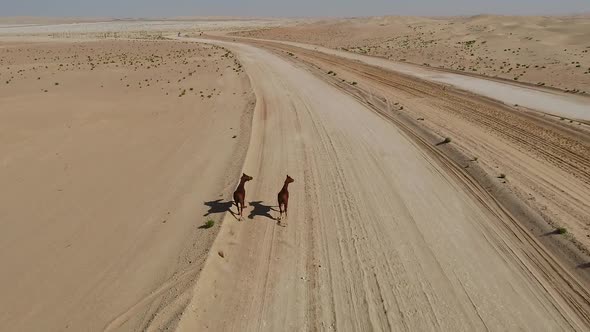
(283, 198)
(240, 194)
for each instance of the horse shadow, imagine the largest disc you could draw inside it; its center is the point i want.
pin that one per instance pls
(219, 206)
(261, 210)
(553, 232)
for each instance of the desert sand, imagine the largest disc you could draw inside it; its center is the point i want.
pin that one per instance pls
(417, 205)
(538, 98)
(108, 152)
(382, 235)
(546, 51)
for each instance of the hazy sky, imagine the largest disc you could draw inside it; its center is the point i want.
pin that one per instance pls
(143, 8)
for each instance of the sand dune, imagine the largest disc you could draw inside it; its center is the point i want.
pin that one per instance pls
(548, 51)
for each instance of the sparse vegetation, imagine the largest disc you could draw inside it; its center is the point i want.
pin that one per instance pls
(208, 224)
(521, 58)
(561, 230)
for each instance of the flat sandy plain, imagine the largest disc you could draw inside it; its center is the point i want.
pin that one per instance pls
(109, 151)
(114, 152)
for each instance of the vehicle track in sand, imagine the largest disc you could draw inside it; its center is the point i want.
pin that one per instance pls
(383, 232)
(546, 160)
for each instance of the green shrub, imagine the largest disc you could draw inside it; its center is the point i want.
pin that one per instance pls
(208, 224)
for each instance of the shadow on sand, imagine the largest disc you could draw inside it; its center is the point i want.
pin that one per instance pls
(553, 232)
(219, 206)
(261, 210)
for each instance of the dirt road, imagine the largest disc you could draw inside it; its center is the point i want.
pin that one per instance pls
(381, 234)
(538, 98)
(546, 158)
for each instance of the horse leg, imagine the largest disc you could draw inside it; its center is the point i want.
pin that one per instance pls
(286, 204)
(242, 211)
(280, 212)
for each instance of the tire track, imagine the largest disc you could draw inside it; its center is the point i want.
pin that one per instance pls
(570, 289)
(557, 146)
(559, 201)
(403, 239)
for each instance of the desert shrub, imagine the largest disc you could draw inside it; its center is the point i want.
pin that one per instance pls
(208, 224)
